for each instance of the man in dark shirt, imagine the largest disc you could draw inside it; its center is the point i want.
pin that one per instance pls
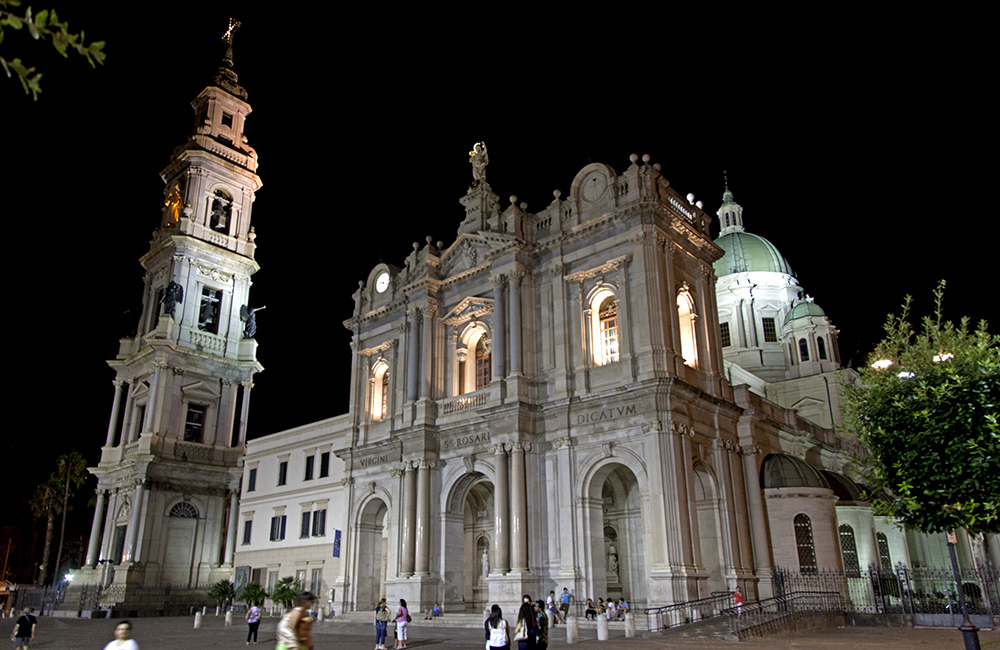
(24, 629)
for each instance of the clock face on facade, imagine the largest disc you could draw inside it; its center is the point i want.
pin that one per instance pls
(594, 187)
(382, 282)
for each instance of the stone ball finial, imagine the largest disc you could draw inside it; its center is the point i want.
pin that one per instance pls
(513, 199)
(657, 166)
(556, 193)
(633, 158)
(523, 206)
(440, 245)
(416, 245)
(645, 158)
(429, 240)
(361, 284)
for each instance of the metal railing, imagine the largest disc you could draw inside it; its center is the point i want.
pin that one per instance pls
(777, 615)
(659, 618)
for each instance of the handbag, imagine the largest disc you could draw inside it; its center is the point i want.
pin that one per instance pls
(521, 634)
(408, 619)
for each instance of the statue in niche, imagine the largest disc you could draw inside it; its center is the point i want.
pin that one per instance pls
(173, 295)
(486, 564)
(612, 559)
(249, 316)
(479, 159)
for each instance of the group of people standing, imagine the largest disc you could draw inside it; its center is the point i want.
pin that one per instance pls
(531, 632)
(382, 617)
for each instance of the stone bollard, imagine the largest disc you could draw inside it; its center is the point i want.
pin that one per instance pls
(229, 618)
(629, 625)
(197, 620)
(572, 630)
(602, 628)
(319, 615)
(551, 617)
(217, 610)
(204, 610)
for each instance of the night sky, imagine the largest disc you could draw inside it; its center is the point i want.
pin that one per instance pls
(851, 146)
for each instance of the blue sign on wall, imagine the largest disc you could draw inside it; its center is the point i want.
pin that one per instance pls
(336, 543)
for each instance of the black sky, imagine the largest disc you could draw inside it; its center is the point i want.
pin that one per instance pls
(859, 148)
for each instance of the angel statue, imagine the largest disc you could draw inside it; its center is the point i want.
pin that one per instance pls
(173, 295)
(249, 316)
(479, 159)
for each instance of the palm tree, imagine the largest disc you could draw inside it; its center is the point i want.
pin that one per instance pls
(52, 498)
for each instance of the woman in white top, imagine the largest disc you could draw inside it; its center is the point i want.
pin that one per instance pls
(122, 641)
(496, 630)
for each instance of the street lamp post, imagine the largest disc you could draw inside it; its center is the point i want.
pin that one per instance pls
(970, 633)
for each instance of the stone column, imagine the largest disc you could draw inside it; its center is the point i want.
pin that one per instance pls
(245, 410)
(515, 321)
(409, 519)
(134, 521)
(758, 523)
(423, 536)
(234, 509)
(95, 530)
(501, 495)
(499, 331)
(115, 405)
(427, 348)
(518, 507)
(154, 388)
(413, 357)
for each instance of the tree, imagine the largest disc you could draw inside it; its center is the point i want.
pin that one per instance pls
(222, 592)
(44, 25)
(52, 498)
(253, 593)
(926, 408)
(286, 591)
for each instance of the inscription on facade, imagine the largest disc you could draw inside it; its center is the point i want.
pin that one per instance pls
(606, 414)
(465, 441)
(374, 460)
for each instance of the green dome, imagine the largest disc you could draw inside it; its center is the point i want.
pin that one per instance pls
(747, 252)
(784, 471)
(802, 310)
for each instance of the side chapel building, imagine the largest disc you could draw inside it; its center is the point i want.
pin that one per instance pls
(596, 396)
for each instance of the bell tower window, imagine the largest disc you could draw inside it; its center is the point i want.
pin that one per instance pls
(821, 347)
(770, 331)
(194, 423)
(208, 315)
(222, 210)
(804, 349)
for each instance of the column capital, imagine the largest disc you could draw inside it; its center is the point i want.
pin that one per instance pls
(430, 308)
(749, 450)
(425, 463)
(518, 274)
(519, 445)
(562, 443)
(118, 383)
(680, 428)
(347, 481)
(498, 449)
(498, 281)
(247, 385)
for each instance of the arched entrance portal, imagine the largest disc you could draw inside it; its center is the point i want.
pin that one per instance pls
(706, 499)
(467, 537)
(373, 546)
(619, 562)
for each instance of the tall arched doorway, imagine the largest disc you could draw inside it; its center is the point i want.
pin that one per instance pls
(373, 554)
(706, 498)
(467, 537)
(616, 524)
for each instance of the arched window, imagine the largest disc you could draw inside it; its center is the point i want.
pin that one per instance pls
(821, 347)
(380, 391)
(883, 550)
(604, 327)
(804, 349)
(804, 543)
(686, 321)
(483, 364)
(184, 510)
(850, 551)
(222, 209)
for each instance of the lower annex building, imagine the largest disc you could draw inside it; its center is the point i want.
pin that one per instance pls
(597, 396)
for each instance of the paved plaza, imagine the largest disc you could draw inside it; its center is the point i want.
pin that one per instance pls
(179, 634)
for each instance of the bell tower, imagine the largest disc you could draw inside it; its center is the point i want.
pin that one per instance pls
(171, 466)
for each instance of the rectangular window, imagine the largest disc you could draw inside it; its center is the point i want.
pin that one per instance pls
(319, 523)
(272, 581)
(247, 527)
(208, 314)
(324, 464)
(252, 480)
(316, 584)
(282, 472)
(310, 464)
(770, 333)
(607, 313)
(483, 371)
(257, 575)
(277, 528)
(304, 529)
(300, 577)
(194, 423)
(726, 341)
(140, 417)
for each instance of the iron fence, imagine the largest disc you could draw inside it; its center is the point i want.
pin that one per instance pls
(658, 618)
(113, 600)
(779, 614)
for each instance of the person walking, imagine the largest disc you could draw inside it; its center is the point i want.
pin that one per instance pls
(497, 637)
(526, 628)
(253, 621)
(24, 629)
(382, 617)
(123, 638)
(295, 627)
(402, 618)
(542, 637)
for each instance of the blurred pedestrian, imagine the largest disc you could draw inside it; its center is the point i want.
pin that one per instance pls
(123, 638)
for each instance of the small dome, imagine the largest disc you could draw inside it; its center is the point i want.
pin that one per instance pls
(802, 309)
(784, 471)
(748, 252)
(842, 486)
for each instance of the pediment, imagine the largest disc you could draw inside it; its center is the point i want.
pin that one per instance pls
(202, 390)
(468, 252)
(470, 308)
